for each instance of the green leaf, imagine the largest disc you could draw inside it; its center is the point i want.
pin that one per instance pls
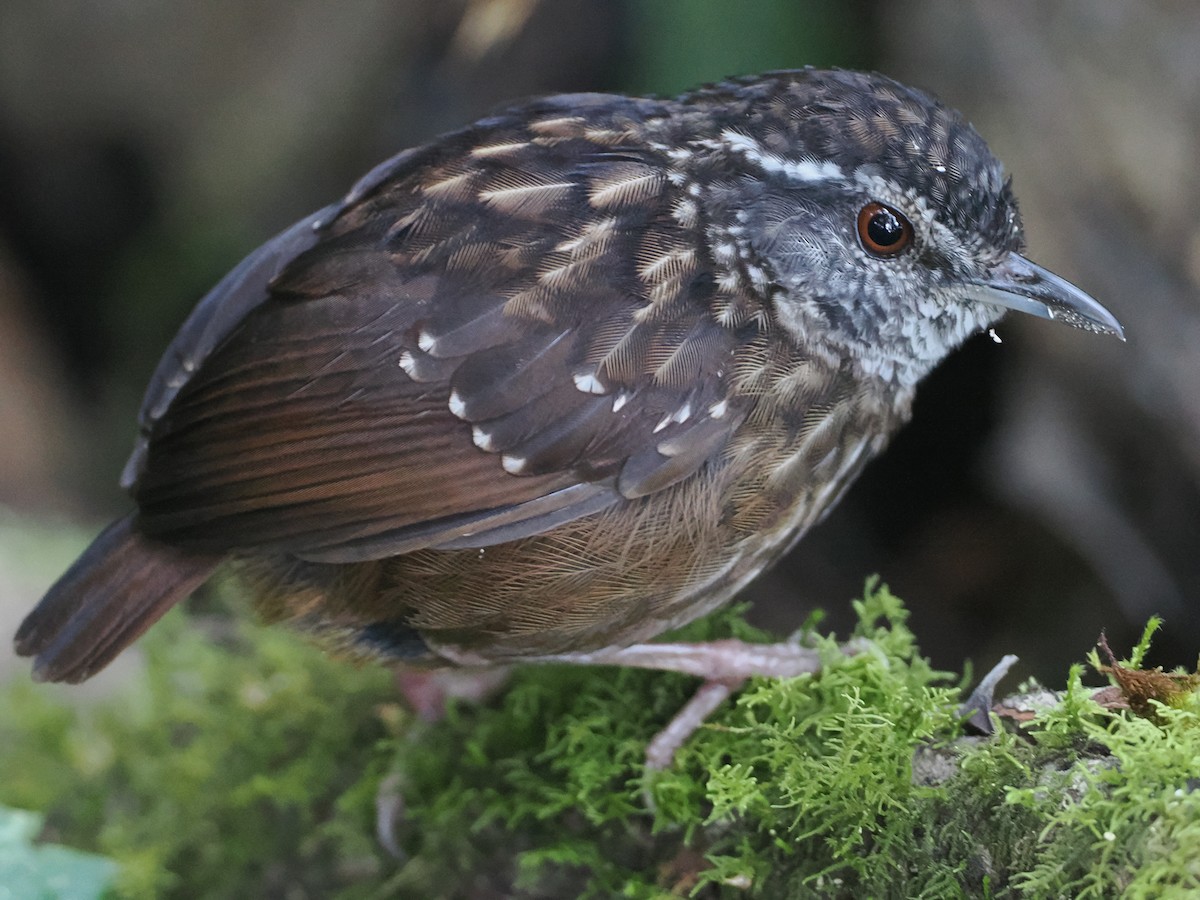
(30, 871)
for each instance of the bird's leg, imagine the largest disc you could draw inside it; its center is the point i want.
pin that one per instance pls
(661, 750)
(723, 660)
(724, 665)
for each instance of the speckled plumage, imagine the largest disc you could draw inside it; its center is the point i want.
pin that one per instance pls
(565, 378)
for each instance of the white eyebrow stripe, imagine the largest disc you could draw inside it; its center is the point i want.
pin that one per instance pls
(805, 170)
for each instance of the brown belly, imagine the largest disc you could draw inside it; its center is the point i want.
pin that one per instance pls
(618, 577)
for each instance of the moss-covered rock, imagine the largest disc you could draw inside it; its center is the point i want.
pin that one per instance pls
(247, 764)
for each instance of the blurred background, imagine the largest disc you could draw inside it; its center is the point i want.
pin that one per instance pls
(1049, 486)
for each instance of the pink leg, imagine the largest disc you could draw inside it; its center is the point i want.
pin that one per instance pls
(661, 750)
(727, 660)
(724, 666)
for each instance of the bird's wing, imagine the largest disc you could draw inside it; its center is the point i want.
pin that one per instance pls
(514, 333)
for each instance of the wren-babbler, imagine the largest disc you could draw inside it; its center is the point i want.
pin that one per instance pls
(562, 380)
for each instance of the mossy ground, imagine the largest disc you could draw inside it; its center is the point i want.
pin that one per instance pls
(248, 764)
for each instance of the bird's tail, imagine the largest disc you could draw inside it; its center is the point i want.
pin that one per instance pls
(121, 585)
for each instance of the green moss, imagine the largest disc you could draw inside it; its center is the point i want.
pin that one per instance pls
(247, 764)
(1132, 823)
(220, 774)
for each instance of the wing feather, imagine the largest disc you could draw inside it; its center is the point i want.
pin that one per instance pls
(488, 338)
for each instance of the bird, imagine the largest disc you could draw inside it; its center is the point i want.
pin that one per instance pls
(555, 383)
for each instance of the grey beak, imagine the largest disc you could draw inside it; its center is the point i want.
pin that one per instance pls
(1026, 287)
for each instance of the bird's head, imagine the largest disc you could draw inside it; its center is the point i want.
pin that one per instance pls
(879, 221)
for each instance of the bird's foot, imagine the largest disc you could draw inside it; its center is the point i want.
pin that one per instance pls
(724, 665)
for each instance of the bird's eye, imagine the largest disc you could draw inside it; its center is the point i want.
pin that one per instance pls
(882, 230)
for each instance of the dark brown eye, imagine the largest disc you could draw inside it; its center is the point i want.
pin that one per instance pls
(882, 230)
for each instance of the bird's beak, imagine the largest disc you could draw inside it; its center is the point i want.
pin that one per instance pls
(1018, 284)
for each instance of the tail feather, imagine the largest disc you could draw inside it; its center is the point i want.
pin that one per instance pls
(121, 585)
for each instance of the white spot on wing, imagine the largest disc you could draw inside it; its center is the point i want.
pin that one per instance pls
(482, 439)
(513, 465)
(619, 401)
(588, 383)
(408, 363)
(457, 406)
(426, 341)
(718, 409)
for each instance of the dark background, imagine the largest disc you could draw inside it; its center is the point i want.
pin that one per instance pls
(1048, 487)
